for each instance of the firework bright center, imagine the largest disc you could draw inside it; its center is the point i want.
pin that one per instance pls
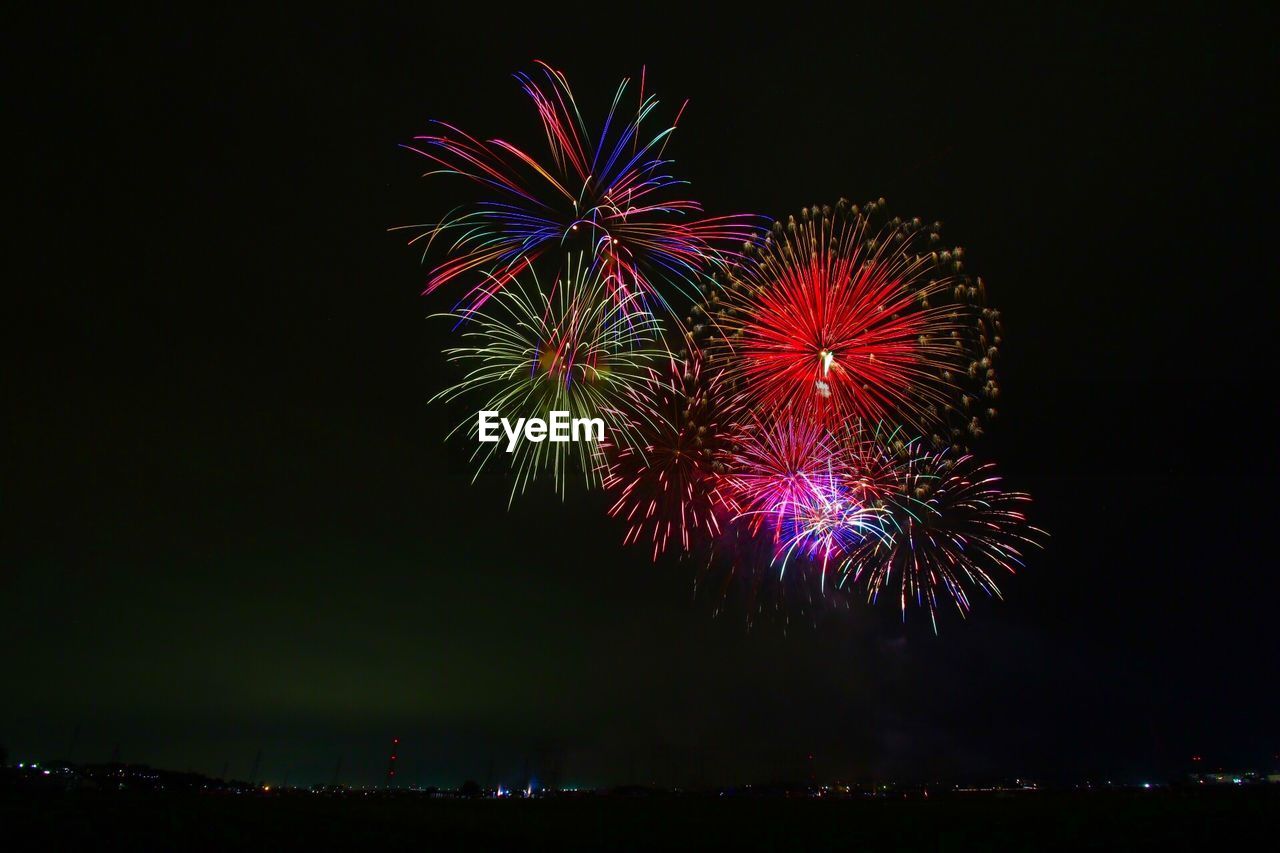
(558, 365)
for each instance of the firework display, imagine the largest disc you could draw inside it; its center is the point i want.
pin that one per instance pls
(950, 529)
(843, 312)
(669, 486)
(567, 347)
(610, 192)
(807, 420)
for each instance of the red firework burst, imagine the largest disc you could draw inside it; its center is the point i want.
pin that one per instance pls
(670, 485)
(830, 318)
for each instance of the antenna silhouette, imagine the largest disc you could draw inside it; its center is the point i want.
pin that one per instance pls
(391, 762)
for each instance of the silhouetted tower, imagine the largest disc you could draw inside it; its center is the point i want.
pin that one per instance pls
(257, 762)
(391, 762)
(336, 770)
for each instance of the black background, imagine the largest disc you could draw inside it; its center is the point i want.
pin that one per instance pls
(231, 522)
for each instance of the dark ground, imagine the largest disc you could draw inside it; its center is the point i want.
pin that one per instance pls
(1143, 820)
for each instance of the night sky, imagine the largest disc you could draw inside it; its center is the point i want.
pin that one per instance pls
(231, 522)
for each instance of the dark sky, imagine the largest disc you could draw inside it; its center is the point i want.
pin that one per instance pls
(231, 522)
